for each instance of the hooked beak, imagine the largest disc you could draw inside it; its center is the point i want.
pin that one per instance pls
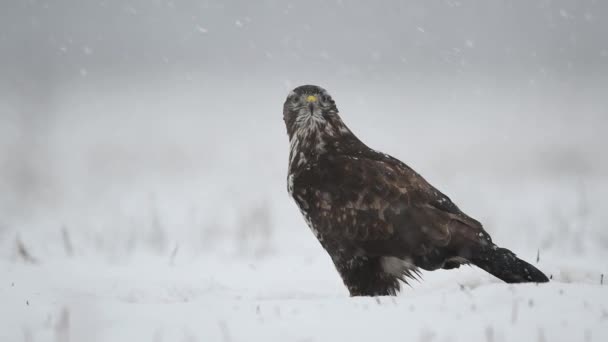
(311, 99)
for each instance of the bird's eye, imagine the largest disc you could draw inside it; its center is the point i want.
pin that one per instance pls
(295, 99)
(325, 98)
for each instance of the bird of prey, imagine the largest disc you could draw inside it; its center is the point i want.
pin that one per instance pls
(378, 219)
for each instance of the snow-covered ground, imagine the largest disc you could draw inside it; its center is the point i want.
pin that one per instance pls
(157, 210)
(288, 299)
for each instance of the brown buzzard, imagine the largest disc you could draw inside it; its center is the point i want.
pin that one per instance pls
(377, 218)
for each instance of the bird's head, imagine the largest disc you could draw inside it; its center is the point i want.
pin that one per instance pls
(308, 108)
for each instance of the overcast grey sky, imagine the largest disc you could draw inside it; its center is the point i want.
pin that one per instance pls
(351, 39)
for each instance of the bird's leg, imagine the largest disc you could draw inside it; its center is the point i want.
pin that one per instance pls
(365, 276)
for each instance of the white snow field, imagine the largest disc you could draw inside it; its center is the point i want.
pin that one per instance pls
(158, 211)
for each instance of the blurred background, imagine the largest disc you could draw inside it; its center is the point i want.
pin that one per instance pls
(155, 127)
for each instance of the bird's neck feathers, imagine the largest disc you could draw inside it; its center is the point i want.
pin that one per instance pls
(315, 137)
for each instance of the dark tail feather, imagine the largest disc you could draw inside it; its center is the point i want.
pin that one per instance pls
(503, 264)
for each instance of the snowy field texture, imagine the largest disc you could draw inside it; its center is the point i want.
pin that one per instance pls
(143, 162)
(143, 221)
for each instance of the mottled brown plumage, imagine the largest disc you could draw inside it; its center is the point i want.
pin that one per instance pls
(377, 218)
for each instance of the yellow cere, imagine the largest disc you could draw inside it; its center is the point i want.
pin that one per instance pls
(311, 98)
